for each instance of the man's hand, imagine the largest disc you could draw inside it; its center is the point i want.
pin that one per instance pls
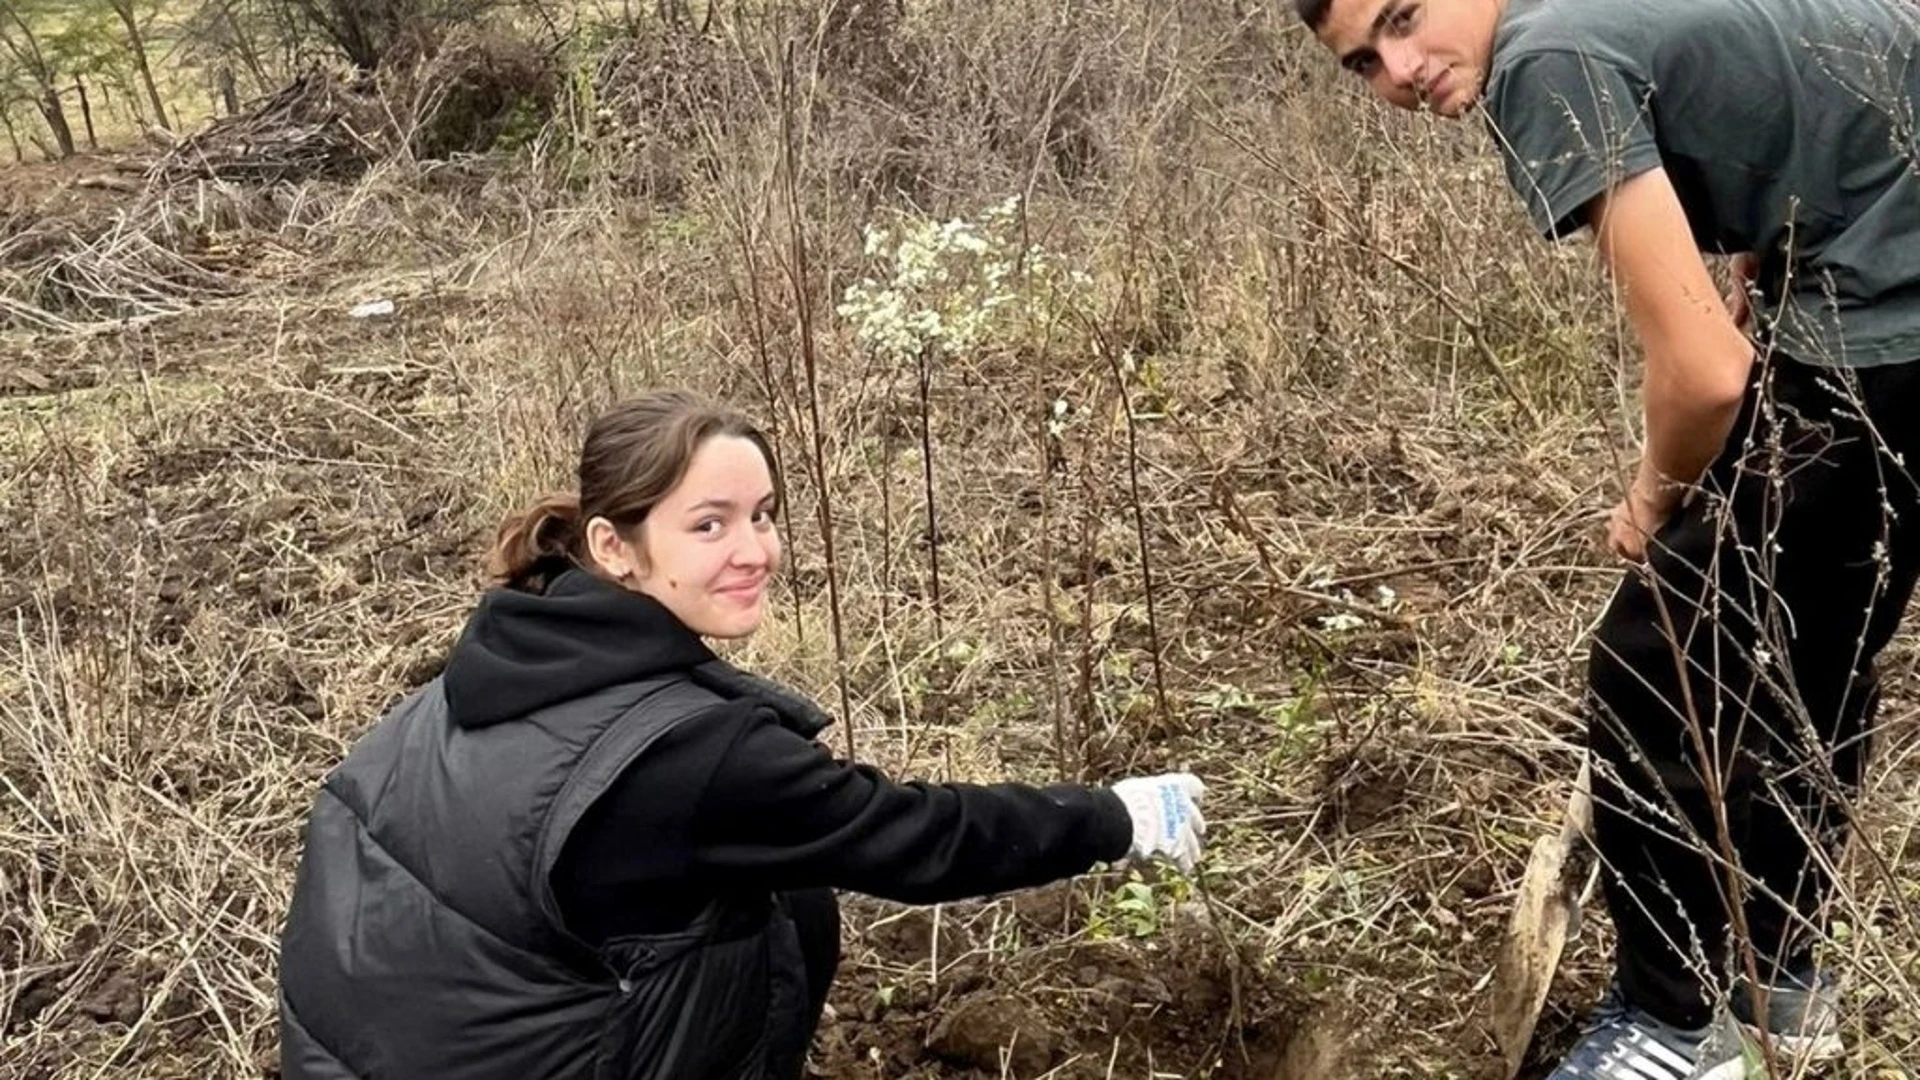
(1698, 361)
(1641, 514)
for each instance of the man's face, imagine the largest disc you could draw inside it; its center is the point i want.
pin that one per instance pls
(1416, 54)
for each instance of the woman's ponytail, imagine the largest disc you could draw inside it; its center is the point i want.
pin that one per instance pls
(537, 544)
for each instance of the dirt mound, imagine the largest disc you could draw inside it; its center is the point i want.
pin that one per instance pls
(1078, 1001)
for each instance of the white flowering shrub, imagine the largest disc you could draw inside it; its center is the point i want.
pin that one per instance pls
(957, 286)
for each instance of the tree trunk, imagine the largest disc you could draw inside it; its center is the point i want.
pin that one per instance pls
(56, 117)
(241, 42)
(25, 50)
(346, 24)
(248, 54)
(134, 107)
(124, 8)
(86, 112)
(229, 98)
(13, 138)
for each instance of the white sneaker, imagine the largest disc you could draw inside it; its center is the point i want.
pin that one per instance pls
(1802, 1016)
(1624, 1043)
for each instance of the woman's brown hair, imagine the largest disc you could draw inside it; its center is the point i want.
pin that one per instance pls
(635, 453)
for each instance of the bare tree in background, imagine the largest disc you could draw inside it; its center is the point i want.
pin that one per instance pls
(225, 37)
(365, 30)
(40, 67)
(359, 28)
(137, 46)
(8, 99)
(271, 38)
(259, 37)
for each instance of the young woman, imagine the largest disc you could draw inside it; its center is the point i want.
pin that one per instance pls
(592, 849)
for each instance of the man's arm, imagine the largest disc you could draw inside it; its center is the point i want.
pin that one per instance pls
(1697, 359)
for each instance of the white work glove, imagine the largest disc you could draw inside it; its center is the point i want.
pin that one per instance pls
(1166, 817)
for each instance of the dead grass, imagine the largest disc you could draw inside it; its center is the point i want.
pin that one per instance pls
(234, 532)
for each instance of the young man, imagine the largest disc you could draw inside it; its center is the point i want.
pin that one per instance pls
(1774, 524)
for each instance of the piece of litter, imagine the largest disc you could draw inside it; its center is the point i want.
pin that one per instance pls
(371, 308)
(1341, 621)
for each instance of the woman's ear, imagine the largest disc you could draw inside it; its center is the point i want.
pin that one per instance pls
(610, 551)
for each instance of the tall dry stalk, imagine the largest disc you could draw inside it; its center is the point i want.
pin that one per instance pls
(800, 279)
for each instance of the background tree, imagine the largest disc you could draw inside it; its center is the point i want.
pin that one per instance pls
(270, 39)
(131, 15)
(11, 98)
(238, 37)
(364, 31)
(36, 62)
(53, 48)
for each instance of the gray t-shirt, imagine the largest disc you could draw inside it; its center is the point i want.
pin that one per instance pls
(1787, 127)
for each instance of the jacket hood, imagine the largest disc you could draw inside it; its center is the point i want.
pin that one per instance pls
(521, 652)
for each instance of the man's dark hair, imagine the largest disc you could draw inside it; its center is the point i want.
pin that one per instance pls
(1312, 12)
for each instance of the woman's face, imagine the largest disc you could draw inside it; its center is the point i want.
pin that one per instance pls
(709, 549)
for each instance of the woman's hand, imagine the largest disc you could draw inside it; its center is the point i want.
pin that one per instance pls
(1166, 817)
